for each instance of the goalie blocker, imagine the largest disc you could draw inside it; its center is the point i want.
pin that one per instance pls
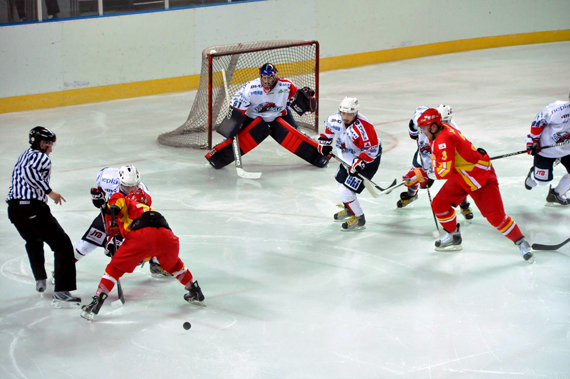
(253, 134)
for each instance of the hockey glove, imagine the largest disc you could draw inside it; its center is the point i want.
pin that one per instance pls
(533, 145)
(325, 145)
(357, 166)
(98, 197)
(412, 130)
(112, 246)
(415, 175)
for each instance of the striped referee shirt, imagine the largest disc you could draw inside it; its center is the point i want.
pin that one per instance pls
(30, 178)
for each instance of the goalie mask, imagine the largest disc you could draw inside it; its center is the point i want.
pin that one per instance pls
(268, 75)
(139, 196)
(38, 134)
(129, 178)
(446, 112)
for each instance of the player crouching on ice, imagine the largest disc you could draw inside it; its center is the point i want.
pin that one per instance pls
(146, 234)
(468, 172)
(357, 145)
(262, 108)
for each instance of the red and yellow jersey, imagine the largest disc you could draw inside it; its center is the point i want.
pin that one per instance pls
(130, 211)
(455, 157)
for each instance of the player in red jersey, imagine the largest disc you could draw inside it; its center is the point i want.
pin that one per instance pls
(468, 171)
(146, 234)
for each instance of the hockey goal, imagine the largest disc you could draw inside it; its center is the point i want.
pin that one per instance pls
(295, 60)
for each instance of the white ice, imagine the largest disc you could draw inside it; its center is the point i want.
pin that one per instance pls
(289, 295)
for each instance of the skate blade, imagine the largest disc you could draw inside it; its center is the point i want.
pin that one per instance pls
(87, 315)
(196, 302)
(161, 276)
(555, 205)
(449, 248)
(57, 304)
(355, 229)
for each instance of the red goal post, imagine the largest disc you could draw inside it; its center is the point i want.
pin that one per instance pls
(295, 60)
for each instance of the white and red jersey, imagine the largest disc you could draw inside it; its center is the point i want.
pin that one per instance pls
(108, 180)
(357, 140)
(254, 102)
(424, 148)
(552, 125)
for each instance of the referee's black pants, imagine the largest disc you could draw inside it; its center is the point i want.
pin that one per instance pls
(36, 225)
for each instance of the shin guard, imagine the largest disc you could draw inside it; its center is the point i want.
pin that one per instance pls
(249, 137)
(297, 143)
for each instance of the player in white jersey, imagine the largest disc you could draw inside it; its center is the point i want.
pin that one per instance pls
(422, 159)
(358, 145)
(262, 108)
(550, 126)
(109, 181)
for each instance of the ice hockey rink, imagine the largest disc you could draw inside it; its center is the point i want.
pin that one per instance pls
(288, 294)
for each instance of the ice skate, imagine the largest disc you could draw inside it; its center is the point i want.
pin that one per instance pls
(64, 299)
(466, 212)
(344, 214)
(406, 199)
(89, 311)
(526, 250)
(195, 295)
(450, 242)
(554, 198)
(354, 223)
(41, 285)
(157, 271)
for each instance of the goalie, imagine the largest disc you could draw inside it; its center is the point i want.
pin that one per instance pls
(262, 108)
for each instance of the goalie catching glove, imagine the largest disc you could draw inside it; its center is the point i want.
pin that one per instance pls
(417, 175)
(98, 197)
(357, 166)
(325, 145)
(305, 101)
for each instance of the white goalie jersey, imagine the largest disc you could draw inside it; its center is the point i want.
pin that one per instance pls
(254, 102)
(552, 124)
(108, 180)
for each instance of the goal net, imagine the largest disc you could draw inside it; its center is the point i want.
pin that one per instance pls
(295, 60)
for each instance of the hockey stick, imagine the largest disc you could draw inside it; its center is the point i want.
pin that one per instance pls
(369, 184)
(235, 143)
(433, 213)
(524, 151)
(538, 246)
(392, 187)
(121, 301)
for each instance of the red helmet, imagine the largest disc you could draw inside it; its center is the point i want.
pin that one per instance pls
(430, 116)
(140, 196)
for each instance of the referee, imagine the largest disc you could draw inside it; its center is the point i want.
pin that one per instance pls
(30, 214)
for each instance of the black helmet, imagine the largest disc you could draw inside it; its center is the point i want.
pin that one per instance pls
(268, 70)
(39, 133)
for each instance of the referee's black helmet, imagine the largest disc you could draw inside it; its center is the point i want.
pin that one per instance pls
(39, 133)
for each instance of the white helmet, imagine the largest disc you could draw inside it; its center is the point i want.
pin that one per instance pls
(446, 112)
(129, 176)
(349, 105)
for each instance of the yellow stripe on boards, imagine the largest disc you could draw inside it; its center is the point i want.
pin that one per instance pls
(187, 83)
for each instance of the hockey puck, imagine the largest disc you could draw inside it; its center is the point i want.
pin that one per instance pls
(186, 325)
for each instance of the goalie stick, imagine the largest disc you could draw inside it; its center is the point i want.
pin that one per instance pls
(369, 184)
(121, 301)
(538, 246)
(524, 151)
(235, 143)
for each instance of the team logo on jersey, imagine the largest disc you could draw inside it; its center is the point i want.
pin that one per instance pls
(441, 146)
(257, 92)
(280, 91)
(561, 137)
(267, 107)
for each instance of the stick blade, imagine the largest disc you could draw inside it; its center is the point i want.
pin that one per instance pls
(248, 175)
(538, 246)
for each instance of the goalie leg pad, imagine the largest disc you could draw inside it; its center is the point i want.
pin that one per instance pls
(249, 137)
(297, 142)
